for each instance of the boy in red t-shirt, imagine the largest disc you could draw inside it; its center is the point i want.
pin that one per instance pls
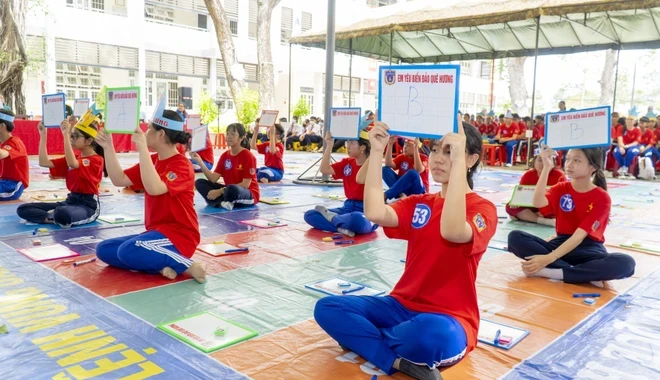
(273, 152)
(627, 147)
(431, 317)
(647, 141)
(412, 176)
(238, 167)
(507, 135)
(14, 166)
(582, 209)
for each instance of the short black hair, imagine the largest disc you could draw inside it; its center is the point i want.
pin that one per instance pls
(8, 124)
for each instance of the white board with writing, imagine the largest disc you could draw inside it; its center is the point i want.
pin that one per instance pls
(53, 110)
(345, 123)
(268, 118)
(193, 122)
(585, 128)
(122, 109)
(419, 101)
(523, 196)
(198, 141)
(80, 106)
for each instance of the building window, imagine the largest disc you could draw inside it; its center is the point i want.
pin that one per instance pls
(252, 19)
(173, 94)
(72, 80)
(84, 81)
(98, 4)
(231, 10)
(96, 82)
(83, 94)
(466, 68)
(202, 21)
(71, 94)
(287, 23)
(131, 82)
(309, 99)
(306, 23)
(94, 95)
(221, 82)
(345, 101)
(150, 92)
(485, 71)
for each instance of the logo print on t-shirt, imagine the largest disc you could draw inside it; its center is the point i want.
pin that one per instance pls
(566, 203)
(348, 169)
(421, 215)
(171, 176)
(252, 171)
(479, 222)
(85, 162)
(267, 149)
(404, 166)
(227, 164)
(595, 226)
(6, 147)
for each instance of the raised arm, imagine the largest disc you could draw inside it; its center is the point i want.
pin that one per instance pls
(210, 175)
(152, 182)
(44, 161)
(253, 140)
(362, 173)
(115, 172)
(70, 157)
(326, 167)
(389, 162)
(540, 200)
(419, 166)
(375, 208)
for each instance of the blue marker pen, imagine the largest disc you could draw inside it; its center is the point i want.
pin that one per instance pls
(352, 290)
(344, 242)
(337, 237)
(237, 250)
(497, 336)
(585, 295)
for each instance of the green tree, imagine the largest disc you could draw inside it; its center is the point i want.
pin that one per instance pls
(247, 106)
(208, 110)
(301, 109)
(100, 99)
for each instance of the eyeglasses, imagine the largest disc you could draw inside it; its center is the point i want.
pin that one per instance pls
(76, 136)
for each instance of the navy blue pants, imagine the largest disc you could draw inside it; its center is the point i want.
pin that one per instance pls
(233, 194)
(147, 252)
(198, 169)
(77, 209)
(272, 174)
(350, 216)
(589, 261)
(626, 160)
(510, 150)
(381, 330)
(10, 190)
(409, 183)
(652, 153)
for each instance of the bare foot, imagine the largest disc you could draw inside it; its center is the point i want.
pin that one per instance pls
(196, 271)
(264, 180)
(168, 273)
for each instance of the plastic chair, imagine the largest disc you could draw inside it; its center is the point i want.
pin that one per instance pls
(220, 141)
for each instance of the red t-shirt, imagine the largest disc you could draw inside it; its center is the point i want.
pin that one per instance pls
(16, 166)
(522, 127)
(440, 276)
(272, 160)
(656, 132)
(538, 132)
(631, 136)
(86, 178)
(234, 169)
(483, 128)
(507, 132)
(647, 138)
(404, 163)
(588, 211)
(617, 131)
(206, 154)
(531, 178)
(492, 129)
(181, 148)
(347, 170)
(173, 213)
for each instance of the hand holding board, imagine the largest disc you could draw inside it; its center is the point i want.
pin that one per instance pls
(268, 118)
(122, 109)
(419, 101)
(198, 141)
(345, 123)
(586, 128)
(80, 106)
(53, 110)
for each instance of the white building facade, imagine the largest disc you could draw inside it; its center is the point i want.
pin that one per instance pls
(164, 45)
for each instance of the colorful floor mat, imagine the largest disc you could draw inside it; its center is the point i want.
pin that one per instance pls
(94, 321)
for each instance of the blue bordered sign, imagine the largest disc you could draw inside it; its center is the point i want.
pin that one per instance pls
(53, 109)
(345, 123)
(585, 128)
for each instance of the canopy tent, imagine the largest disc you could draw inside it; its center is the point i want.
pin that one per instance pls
(438, 31)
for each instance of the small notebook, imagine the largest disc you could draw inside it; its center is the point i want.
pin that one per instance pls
(117, 219)
(273, 201)
(263, 223)
(333, 287)
(199, 331)
(642, 246)
(330, 196)
(217, 249)
(523, 196)
(488, 331)
(48, 252)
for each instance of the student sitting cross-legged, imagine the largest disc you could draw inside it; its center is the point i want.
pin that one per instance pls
(273, 151)
(14, 165)
(238, 167)
(431, 317)
(582, 210)
(412, 166)
(169, 214)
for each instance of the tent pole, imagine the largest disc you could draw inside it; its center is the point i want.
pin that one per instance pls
(536, 58)
(391, 41)
(329, 63)
(616, 77)
(350, 71)
(289, 111)
(492, 83)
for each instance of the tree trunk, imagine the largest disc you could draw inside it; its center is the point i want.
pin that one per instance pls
(517, 85)
(13, 59)
(227, 49)
(265, 54)
(607, 78)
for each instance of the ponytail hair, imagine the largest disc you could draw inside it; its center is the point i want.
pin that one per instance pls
(595, 158)
(97, 148)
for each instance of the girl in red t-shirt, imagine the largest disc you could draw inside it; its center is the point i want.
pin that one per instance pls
(431, 317)
(582, 209)
(14, 164)
(83, 174)
(627, 146)
(169, 214)
(530, 178)
(273, 151)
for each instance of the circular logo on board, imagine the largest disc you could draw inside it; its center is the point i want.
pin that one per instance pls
(404, 166)
(227, 164)
(566, 203)
(348, 169)
(421, 215)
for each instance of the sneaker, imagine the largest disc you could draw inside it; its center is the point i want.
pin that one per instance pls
(227, 205)
(416, 371)
(508, 165)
